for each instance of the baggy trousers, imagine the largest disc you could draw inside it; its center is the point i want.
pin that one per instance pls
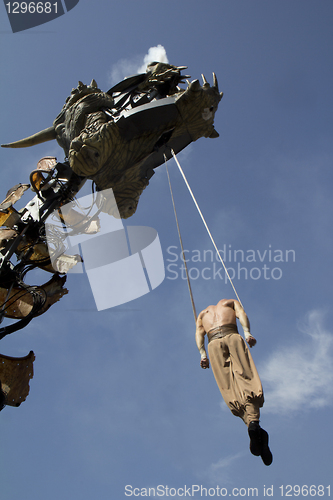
(236, 376)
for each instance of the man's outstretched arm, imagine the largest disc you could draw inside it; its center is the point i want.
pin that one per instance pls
(244, 321)
(200, 341)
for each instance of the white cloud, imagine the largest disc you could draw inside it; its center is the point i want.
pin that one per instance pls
(157, 54)
(220, 471)
(225, 462)
(136, 64)
(123, 68)
(300, 376)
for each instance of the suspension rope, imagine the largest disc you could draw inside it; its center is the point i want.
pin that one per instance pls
(181, 242)
(205, 224)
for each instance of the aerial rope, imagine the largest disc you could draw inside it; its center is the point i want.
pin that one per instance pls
(207, 228)
(181, 243)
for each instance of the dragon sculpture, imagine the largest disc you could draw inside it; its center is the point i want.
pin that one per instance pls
(116, 139)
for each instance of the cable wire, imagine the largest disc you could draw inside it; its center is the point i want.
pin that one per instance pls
(181, 243)
(205, 224)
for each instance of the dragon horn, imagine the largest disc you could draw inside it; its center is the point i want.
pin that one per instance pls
(204, 81)
(45, 135)
(215, 83)
(214, 134)
(195, 85)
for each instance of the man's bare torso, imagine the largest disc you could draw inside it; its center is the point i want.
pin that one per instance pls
(221, 314)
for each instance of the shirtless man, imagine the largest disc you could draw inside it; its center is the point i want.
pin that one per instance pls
(233, 367)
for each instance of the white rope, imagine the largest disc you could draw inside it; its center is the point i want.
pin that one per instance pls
(181, 242)
(205, 224)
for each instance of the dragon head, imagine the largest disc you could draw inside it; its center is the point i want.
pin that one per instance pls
(197, 106)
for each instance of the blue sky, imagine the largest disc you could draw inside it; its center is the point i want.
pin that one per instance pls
(118, 397)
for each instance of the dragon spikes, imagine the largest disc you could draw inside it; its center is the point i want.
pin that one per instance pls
(195, 85)
(216, 85)
(215, 82)
(205, 82)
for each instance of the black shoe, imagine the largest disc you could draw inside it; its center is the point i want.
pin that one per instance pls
(259, 443)
(265, 453)
(255, 438)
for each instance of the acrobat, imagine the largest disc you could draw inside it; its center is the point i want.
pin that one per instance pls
(233, 367)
